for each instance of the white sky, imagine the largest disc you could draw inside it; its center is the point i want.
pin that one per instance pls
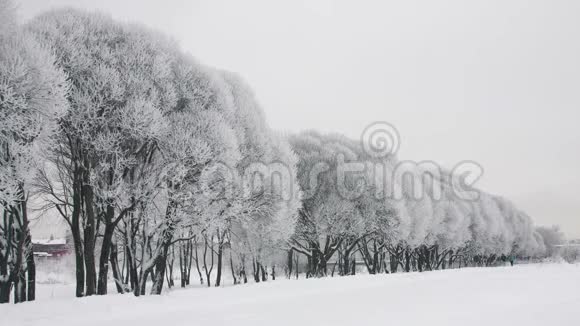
(494, 81)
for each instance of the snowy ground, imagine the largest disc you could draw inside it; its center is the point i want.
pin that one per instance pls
(523, 295)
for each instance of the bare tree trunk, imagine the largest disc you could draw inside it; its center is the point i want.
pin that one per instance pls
(76, 233)
(80, 266)
(5, 291)
(189, 259)
(394, 259)
(289, 261)
(169, 272)
(264, 273)
(132, 271)
(117, 277)
(256, 270)
(105, 250)
(197, 264)
(273, 272)
(243, 274)
(31, 270)
(89, 236)
(296, 263)
(208, 245)
(160, 265)
(232, 269)
(347, 254)
(219, 258)
(140, 290)
(17, 275)
(5, 282)
(407, 260)
(185, 262)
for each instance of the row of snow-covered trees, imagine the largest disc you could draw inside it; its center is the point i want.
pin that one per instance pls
(420, 230)
(135, 145)
(156, 161)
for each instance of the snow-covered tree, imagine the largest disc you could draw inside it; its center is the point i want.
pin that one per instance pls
(120, 80)
(259, 215)
(32, 97)
(330, 213)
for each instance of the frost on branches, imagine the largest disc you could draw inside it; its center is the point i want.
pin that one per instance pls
(161, 166)
(32, 97)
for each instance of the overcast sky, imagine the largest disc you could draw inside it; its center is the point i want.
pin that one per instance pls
(497, 82)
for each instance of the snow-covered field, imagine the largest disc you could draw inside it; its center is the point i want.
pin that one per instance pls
(523, 295)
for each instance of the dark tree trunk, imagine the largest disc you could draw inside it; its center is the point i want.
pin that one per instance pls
(76, 233)
(296, 263)
(317, 267)
(197, 264)
(218, 277)
(169, 271)
(80, 267)
(117, 277)
(256, 270)
(407, 260)
(31, 269)
(89, 238)
(208, 245)
(140, 290)
(419, 254)
(5, 282)
(189, 261)
(394, 262)
(22, 286)
(289, 261)
(264, 273)
(345, 268)
(132, 271)
(181, 268)
(185, 258)
(161, 261)
(5, 291)
(273, 272)
(160, 265)
(106, 250)
(235, 279)
(244, 276)
(16, 294)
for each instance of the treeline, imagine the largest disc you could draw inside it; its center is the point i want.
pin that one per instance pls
(158, 163)
(422, 228)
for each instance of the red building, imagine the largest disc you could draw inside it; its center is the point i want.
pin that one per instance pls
(50, 247)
